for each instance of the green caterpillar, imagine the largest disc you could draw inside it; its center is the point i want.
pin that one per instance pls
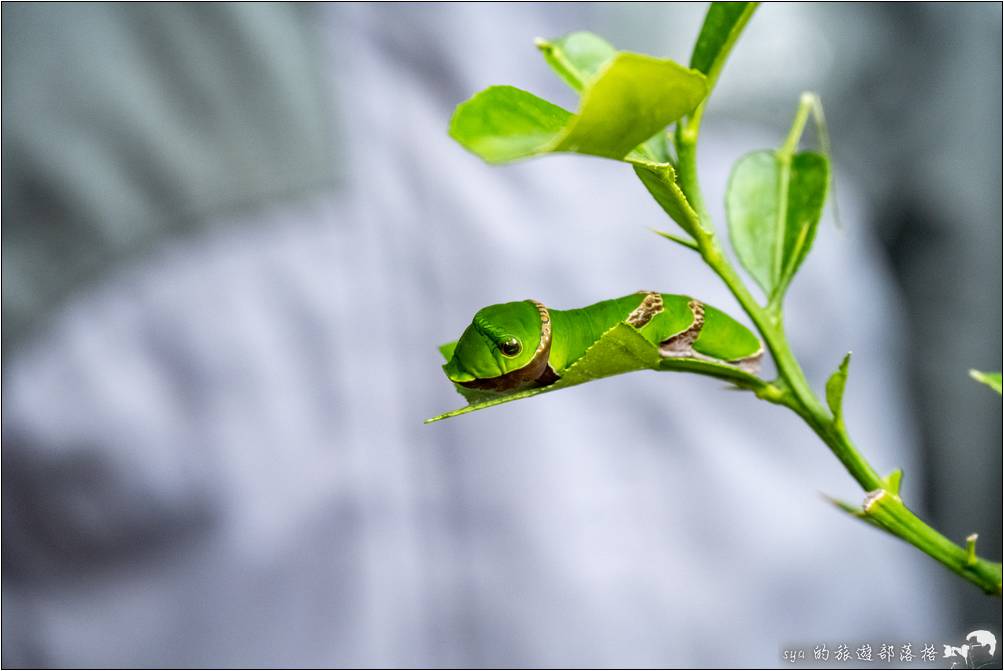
(522, 345)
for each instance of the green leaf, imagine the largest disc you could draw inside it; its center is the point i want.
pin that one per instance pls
(621, 349)
(633, 98)
(774, 203)
(577, 57)
(722, 25)
(630, 99)
(660, 180)
(658, 148)
(835, 389)
(807, 188)
(992, 380)
(504, 123)
(752, 210)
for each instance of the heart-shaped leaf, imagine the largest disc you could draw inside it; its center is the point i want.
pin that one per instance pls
(774, 203)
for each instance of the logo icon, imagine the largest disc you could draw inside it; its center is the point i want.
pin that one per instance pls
(976, 653)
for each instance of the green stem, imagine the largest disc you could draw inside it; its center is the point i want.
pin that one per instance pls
(801, 398)
(686, 155)
(891, 514)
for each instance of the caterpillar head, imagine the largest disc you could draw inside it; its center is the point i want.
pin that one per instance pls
(505, 347)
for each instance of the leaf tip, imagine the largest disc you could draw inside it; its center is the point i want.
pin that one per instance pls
(849, 508)
(835, 388)
(678, 239)
(894, 480)
(992, 380)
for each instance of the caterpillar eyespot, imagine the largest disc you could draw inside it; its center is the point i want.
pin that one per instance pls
(510, 347)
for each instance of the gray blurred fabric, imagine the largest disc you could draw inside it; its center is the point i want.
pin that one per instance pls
(213, 445)
(123, 123)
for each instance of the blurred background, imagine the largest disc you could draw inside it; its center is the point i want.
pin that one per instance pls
(235, 234)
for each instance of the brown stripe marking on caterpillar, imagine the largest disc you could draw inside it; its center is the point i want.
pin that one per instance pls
(649, 307)
(682, 343)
